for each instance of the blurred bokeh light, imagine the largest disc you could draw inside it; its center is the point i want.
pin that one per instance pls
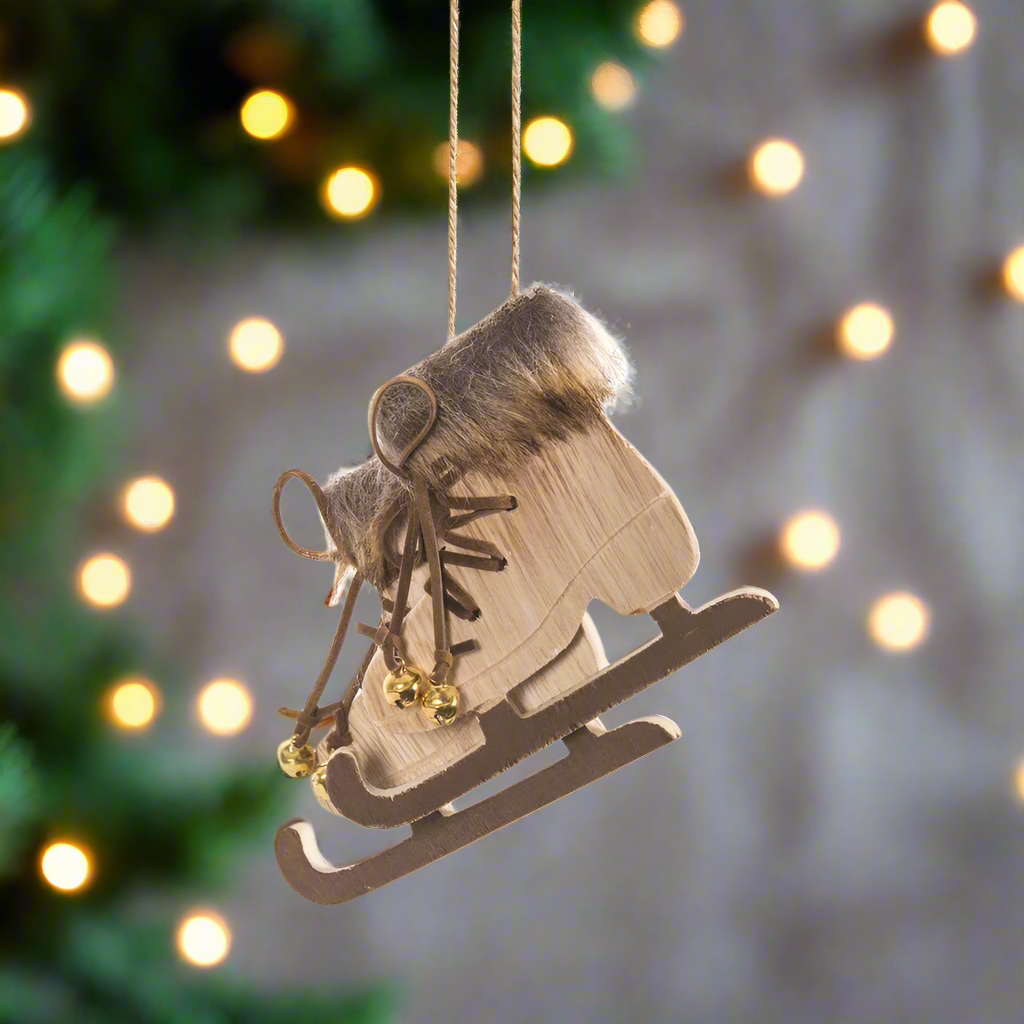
(809, 540)
(659, 23)
(1013, 274)
(898, 621)
(225, 706)
(65, 866)
(950, 27)
(350, 193)
(148, 503)
(14, 114)
(612, 86)
(204, 939)
(865, 331)
(266, 114)
(547, 141)
(775, 167)
(85, 371)
(134, 703)
(255, 344)
(104, 580)
(469, 162)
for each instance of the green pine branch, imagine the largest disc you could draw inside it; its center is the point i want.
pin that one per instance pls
(19, 785)
(63, 771)
(143, 99)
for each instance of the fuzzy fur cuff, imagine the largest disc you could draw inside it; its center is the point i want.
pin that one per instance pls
(540, 368)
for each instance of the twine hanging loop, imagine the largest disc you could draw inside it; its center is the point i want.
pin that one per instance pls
(453, 148)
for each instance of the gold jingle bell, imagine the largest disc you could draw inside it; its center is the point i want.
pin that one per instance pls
(402, 688)
(318, 780)
(441, 704)
(296, 762)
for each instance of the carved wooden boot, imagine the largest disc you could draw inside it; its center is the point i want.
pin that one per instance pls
(521, 401)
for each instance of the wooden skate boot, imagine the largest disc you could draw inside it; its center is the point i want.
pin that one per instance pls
(521, 401)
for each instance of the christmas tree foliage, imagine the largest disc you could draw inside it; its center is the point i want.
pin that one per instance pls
(142, 819)
(132, 121)
(143, 99)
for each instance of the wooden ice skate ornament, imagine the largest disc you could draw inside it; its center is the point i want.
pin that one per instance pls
(499, 501)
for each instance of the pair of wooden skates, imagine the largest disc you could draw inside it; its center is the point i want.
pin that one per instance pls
(499, 502)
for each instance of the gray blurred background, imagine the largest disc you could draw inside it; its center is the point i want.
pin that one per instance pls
(837, 835)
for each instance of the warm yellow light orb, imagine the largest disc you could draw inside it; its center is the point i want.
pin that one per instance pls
(266, 114)
(950, 27)
(14, 114)
(809, 540)
(133, 703)
(775, 167)
(547, 141)
(85, 371)
(255, 345)
(225, 706)
(65, 866)
(659, 23)
(898, 621)
(1013, 274)
(148, 503)
(1018, 781)
(104, 580)
(203, 939)
(865, 331)
(469, 162)
(350, 192)
(612, 86)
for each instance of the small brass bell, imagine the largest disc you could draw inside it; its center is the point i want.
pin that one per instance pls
(441, 704)
(318, 780)
(296, 762)
(402, 688)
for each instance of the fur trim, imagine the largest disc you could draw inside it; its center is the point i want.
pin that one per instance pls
(540, 368)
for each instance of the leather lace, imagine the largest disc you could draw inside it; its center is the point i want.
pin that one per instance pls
(432, 520)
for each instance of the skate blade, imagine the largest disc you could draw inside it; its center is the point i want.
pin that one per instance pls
(592, 754)
(510, 737)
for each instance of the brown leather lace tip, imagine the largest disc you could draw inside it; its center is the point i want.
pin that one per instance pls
(318, 723)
